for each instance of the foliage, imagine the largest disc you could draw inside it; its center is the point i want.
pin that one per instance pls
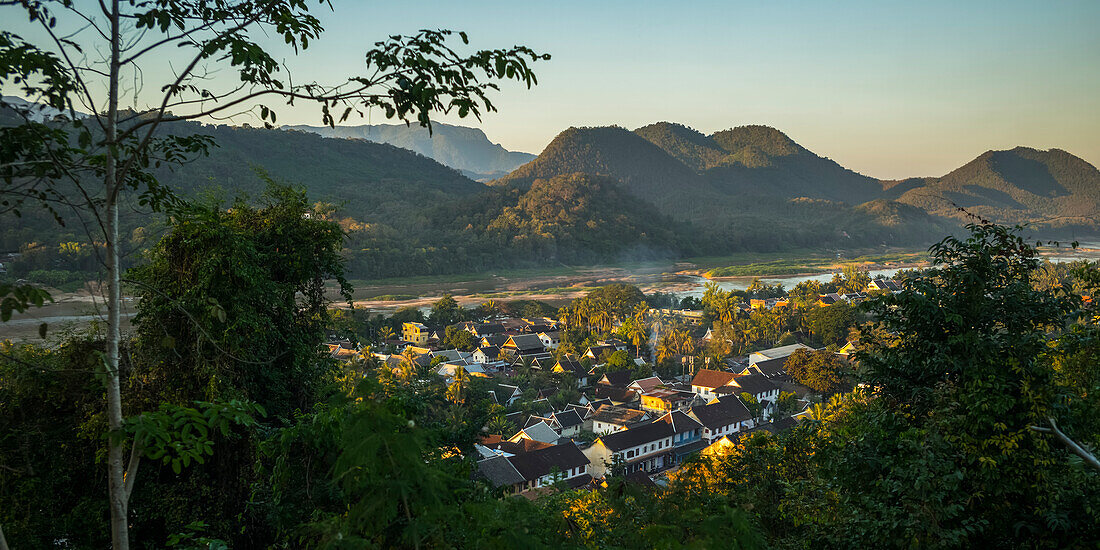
(822, 371)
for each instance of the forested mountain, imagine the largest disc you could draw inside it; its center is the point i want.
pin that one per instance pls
(462, 148)
(1051, 187)
(594, 195)
(646, 170)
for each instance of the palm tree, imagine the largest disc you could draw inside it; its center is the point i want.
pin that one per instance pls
(491, 308)
(638, 337)
(819, 412)
(385, 333)
(457, 390)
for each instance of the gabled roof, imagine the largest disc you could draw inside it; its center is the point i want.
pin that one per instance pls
(494, 340)
(539, 431)
(709, 378)
(484, 329)
(646, 384)
(491, 352)
(538, 463)
(551, 334)
(596, 351)
(637, 435)
(679, 422)
(450, 354)
(771, 368)
(615, 394)
(499, 471)
(619, 416)
(669, 395)
(524, 342)
(569, 363)
(754, 384)
(721, 412)
(618, 378)
(583, 411)
(568, 418)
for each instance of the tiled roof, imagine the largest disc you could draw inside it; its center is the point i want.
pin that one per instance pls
(618, 378)
(568, 418)
(638, 435)
(647, 384)
(723, 412)
(755, 384)
(772, 367)
(621, 395)
(708, 378)
(499, 471)
(535, 464)
(525, 342)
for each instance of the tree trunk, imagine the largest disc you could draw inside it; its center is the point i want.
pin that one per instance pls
(3, 541)
(115, 468)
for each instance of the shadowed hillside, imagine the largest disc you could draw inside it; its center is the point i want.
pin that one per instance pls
(1021, 185)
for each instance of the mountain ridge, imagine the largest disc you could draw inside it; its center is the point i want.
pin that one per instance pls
(463, 148)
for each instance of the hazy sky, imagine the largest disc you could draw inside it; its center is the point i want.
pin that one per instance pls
(890, 89)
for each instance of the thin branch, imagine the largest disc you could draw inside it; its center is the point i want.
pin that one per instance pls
(132, 469)
(1073, 446)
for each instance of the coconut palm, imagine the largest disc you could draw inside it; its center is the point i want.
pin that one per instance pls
(385, 333)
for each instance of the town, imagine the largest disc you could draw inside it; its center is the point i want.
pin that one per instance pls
(614, 387)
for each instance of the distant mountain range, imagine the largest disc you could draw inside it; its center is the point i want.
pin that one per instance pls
(465, 149)
(605, 194)
(742, 170)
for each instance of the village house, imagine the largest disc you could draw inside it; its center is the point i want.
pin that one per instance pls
(615, 394)
(551, 339)
(757, 385)
(644, 385)
(662, 400)
(415, 333)
(618, 379)
(506, 394)
(569, 364)
(524, 344)
(527, 471)
(722, 416)
(706, 381)
(539, 431)
(482, 330)
(568, 423)
(485, 354)
(610, 418)
(647, 447)
(772, 369)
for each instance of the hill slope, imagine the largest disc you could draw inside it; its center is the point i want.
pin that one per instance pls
(1020, 185)
(460, 147)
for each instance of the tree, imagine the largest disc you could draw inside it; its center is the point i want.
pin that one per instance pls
(458, 338)
(830, 324)
(822, 371)
(446, 312)
(93, 163)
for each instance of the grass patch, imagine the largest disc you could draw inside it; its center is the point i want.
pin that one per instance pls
(809, 265)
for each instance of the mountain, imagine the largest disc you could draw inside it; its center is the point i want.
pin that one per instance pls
(757, 160)
(1050, 187)
(644, 169)
(462, 148)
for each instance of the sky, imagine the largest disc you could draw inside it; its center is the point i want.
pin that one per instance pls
(889, 89)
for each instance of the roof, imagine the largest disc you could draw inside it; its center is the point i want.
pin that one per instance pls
(538, 463)
(782, 351)
(568, 418)
(540, 431)
(551, 334)
(618, 378)
(679, 422)
(621, 395)
(525, 342)
(620, 416)
(670, 395)
(709, 378)
(490, 351)
(772, 367)
(488, 328)
(755, 384)
(638, 435)
(499, 471)
(648, 384)
(722, 412)
(570, 364)
(596, 351)
(450, 354)
(692, 447)
(494, 339)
